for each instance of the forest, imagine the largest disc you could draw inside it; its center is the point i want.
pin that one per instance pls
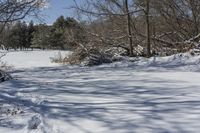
(23, 36)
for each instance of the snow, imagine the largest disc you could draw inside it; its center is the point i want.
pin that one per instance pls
(147, 96)
(27, 59)
(179, 62)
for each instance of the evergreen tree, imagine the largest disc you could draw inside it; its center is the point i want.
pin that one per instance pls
(41, 37)
(57, 36)
(23, 35)
(14, 38)
(60, 23)
(30, 31)
(67, 32)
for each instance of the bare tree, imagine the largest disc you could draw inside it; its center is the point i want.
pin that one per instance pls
(129, 27)
(153, 26)
(148, 42)
(13, 10)
(115, 18)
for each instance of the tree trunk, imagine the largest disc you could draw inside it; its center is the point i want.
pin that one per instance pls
(129, 32)
(148, 39)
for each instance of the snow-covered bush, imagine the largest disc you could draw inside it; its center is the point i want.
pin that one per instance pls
(34, 122)
(88, 57)
(4, 76)
(97, 58)
(57, 58)
(3, 67)
(76, 57)
(194, 52)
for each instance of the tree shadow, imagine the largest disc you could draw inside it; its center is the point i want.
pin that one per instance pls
(120, 101)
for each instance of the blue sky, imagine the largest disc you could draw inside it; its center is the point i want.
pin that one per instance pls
(56, 9)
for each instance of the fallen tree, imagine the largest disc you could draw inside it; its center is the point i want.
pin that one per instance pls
(87, 57)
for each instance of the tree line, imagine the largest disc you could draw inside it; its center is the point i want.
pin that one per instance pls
(127, 27)
(20, 35)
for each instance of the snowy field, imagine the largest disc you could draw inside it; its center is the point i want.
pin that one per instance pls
(159, 95)
(30, 59)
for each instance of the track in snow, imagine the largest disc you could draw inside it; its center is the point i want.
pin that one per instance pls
(99, 100)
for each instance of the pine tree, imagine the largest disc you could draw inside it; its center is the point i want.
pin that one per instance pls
(41, 37)
(30, 31)
(14, 37)
(24, 35)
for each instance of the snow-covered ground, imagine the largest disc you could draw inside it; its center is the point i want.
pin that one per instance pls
(30, 59)
(159, 95)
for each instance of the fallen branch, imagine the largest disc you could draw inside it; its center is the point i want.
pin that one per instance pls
(4, 76)
(2, 54)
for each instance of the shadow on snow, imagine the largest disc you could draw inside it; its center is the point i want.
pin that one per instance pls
(117, 99)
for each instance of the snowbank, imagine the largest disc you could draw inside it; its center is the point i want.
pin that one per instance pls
(179, 62)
